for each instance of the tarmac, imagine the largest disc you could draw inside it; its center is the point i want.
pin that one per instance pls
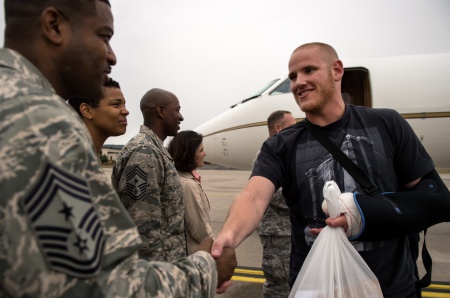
(223, 185)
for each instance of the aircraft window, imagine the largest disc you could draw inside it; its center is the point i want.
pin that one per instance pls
(356, 88)
(284, 88)
(267, 86)
(257, 94)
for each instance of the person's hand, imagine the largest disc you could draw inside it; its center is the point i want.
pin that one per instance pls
(337, 222)
(340, 221)
(222, 240)
(225, 262)
(350, 217)
(223, 288)
(221, 246)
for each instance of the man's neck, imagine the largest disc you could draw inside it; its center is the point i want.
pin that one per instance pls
(332, 112)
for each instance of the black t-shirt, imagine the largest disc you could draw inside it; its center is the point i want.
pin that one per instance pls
(383, 145)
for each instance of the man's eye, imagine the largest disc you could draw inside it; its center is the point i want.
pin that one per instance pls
(106, 38)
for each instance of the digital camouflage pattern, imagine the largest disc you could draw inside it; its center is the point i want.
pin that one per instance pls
(274, 231)
(275, 265)
(147, 182)
(63, 229)
(276, 219)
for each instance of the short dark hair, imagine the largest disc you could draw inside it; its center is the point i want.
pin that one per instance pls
(111, 84)
(275, 117)
(76, 102)
(14, 8)
(182, 149)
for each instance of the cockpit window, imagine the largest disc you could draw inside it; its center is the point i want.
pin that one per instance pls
(267, 86)
(284, 88)
(257, 94)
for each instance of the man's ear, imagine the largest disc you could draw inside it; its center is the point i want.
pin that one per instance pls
(86, 111)
(277, 128)
(338, 69)
(53, 25)
(160, 111)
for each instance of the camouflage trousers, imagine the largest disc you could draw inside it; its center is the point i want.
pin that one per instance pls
(275, 265)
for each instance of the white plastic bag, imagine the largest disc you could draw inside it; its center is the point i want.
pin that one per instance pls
(333, 267)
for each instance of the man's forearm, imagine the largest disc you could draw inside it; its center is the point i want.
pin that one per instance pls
(248, 208)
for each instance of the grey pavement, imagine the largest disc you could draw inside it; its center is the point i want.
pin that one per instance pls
(221, 187)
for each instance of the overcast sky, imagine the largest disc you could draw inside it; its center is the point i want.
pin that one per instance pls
(212, 54)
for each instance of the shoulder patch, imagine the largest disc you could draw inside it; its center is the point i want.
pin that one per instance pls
(65, 223)
(136, 183)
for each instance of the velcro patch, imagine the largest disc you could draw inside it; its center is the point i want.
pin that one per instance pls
(65, 223)
(136, 183)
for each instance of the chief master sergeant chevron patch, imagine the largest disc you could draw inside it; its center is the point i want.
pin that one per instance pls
(65, 222)
(136, 183)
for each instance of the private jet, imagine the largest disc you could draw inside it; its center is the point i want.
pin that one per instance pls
(416, 86)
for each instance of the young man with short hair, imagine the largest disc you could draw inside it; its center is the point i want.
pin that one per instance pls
(379, 141)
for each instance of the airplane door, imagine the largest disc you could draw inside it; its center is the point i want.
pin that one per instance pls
(356, 88)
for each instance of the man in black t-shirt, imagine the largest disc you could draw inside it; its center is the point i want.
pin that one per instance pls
(379, 141)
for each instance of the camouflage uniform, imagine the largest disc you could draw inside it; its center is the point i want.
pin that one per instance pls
(63, 230)
(275, 234)
(147, 182)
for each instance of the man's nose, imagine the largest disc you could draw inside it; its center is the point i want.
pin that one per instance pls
(111, 56)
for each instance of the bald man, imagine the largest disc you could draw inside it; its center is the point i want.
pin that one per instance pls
(146, 179)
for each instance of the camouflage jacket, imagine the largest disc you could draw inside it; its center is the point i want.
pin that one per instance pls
(147, 182)
(276, 220)
(63, 230)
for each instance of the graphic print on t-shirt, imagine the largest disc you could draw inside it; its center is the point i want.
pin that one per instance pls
(315, 166)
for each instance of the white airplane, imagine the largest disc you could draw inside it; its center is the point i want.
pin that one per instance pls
(417, 86)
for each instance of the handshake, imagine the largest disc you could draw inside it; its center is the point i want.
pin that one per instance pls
(346, 206)
(226, 264)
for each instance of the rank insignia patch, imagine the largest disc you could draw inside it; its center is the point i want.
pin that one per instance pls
(65, 222)
(136, 183)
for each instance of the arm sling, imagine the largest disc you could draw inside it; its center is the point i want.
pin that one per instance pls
(375, 197)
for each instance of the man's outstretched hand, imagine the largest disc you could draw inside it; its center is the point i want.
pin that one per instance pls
(226, 263)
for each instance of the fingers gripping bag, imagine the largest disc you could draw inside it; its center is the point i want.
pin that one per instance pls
(333, 267)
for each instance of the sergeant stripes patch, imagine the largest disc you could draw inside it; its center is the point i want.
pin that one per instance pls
(67, 227)
(136, 183)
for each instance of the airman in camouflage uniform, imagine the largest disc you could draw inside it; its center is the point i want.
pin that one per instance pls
(63, 229)
(274, 230)
(147, 182)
